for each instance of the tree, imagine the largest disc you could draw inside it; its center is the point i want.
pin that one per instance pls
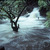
(12, 9)
(45, 4)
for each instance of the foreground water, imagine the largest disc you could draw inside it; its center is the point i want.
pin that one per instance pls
(31, 35)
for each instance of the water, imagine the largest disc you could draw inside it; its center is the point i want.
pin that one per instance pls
(31, 34)
(32, 20)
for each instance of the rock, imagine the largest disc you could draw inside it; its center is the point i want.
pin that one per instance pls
(29, 47)
(2, 48)
(46, 46)
(31, 4)
(43, 11)
(34, 2)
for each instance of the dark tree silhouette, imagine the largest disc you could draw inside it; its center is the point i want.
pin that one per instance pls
(11, 16)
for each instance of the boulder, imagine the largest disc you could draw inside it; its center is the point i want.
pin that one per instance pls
(46, 46)
(43, 11)
(2, 48)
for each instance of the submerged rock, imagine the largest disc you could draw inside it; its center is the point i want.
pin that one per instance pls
(46, 46)
(43, 11)
(29, 47)
(2, 48)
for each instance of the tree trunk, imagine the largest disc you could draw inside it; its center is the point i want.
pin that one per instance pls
(15, 27)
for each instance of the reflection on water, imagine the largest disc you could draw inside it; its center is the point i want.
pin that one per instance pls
(30, 35)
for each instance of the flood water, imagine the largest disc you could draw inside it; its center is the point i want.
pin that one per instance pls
(31, 35)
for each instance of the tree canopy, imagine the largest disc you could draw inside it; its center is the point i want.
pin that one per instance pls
(13, 8)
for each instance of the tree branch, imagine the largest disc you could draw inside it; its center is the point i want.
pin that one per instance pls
(10, 10)
(20, 14)
(9, 16)
(3, 15)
